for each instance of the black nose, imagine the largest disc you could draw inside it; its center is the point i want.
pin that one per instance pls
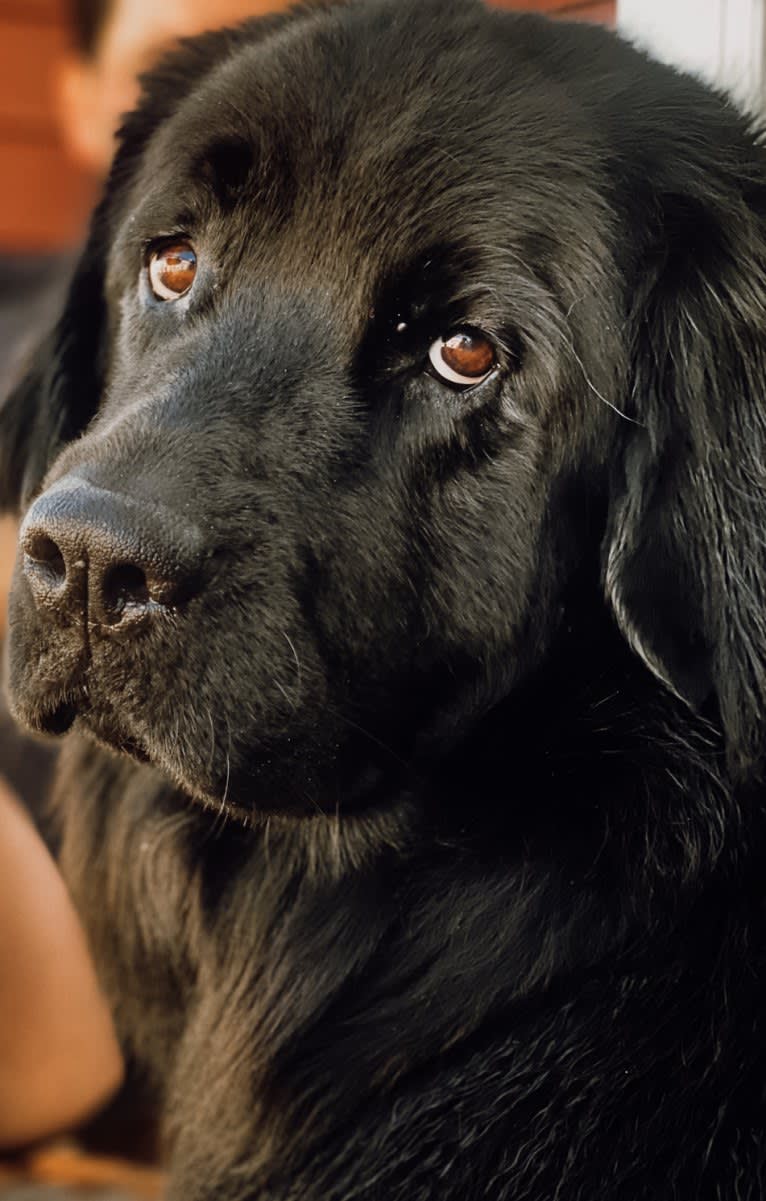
(105, 557)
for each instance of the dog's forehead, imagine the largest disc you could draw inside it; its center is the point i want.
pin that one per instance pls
(375, 131)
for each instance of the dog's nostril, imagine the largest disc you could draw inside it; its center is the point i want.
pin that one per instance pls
(43, 549)
(124, 585)
(43, 552)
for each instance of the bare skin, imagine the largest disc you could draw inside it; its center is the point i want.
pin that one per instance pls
(59, 1057)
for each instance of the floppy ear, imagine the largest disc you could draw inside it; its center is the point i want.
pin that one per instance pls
(686, 548)
(59, 393)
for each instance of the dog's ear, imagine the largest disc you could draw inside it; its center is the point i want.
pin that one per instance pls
(685, 565)
(59, 392)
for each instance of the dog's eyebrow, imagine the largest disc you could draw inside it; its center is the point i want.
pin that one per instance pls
(429, 282)
(225, 166)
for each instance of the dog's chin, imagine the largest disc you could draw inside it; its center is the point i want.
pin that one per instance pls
(265, 778)
(215, 784)
(58, 715)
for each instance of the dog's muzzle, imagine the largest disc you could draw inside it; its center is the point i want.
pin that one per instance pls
(105, 561)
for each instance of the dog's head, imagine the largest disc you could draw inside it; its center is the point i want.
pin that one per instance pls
(397, 319)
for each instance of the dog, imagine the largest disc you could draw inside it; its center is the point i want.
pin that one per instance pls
(393, 560)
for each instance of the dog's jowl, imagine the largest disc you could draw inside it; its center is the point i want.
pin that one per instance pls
(392, 562)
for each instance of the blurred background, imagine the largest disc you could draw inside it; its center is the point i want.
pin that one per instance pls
(47, 186)
(44, 195)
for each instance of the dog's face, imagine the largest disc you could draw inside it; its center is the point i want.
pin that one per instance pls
(351, 331)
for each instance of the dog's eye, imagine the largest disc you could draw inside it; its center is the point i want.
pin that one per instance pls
(464, 358)
(172, 269)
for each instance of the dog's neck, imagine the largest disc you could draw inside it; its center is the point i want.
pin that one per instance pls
(590, 775)
(323, 931)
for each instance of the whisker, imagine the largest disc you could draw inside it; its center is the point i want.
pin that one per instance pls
(291, 644)
(596, 392)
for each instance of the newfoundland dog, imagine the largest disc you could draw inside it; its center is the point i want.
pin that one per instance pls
(393, 557)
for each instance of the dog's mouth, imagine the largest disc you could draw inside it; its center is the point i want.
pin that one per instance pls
(265, 765)
(52, 710)
(57, 719)
(57, 715)
(80, 703)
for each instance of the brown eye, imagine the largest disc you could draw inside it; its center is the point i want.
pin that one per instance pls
(466, 357)
(172, 270)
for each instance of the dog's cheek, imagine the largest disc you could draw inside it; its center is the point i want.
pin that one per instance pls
(485, 569)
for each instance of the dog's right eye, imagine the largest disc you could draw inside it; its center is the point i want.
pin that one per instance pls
(463, 359)
(172, 269)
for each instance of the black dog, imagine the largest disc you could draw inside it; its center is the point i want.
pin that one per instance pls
(394, 502)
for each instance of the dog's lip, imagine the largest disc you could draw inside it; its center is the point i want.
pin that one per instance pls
(59, 719)
(108, 734)
(53, 715)
(62, 710)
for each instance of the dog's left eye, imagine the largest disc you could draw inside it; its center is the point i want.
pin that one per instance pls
(464, 358)
(172, 269)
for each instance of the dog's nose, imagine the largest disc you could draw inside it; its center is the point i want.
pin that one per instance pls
(107, 557)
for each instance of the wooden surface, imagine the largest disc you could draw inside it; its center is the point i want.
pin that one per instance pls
(61, 1172)
(580, 10)
(44, 199)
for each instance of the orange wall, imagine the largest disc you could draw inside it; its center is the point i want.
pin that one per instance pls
(43, 198)
(572, 10)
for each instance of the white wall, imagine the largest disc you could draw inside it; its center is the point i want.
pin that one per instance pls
(722, 40)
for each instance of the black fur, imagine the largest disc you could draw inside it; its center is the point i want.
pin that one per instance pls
(441, 873)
